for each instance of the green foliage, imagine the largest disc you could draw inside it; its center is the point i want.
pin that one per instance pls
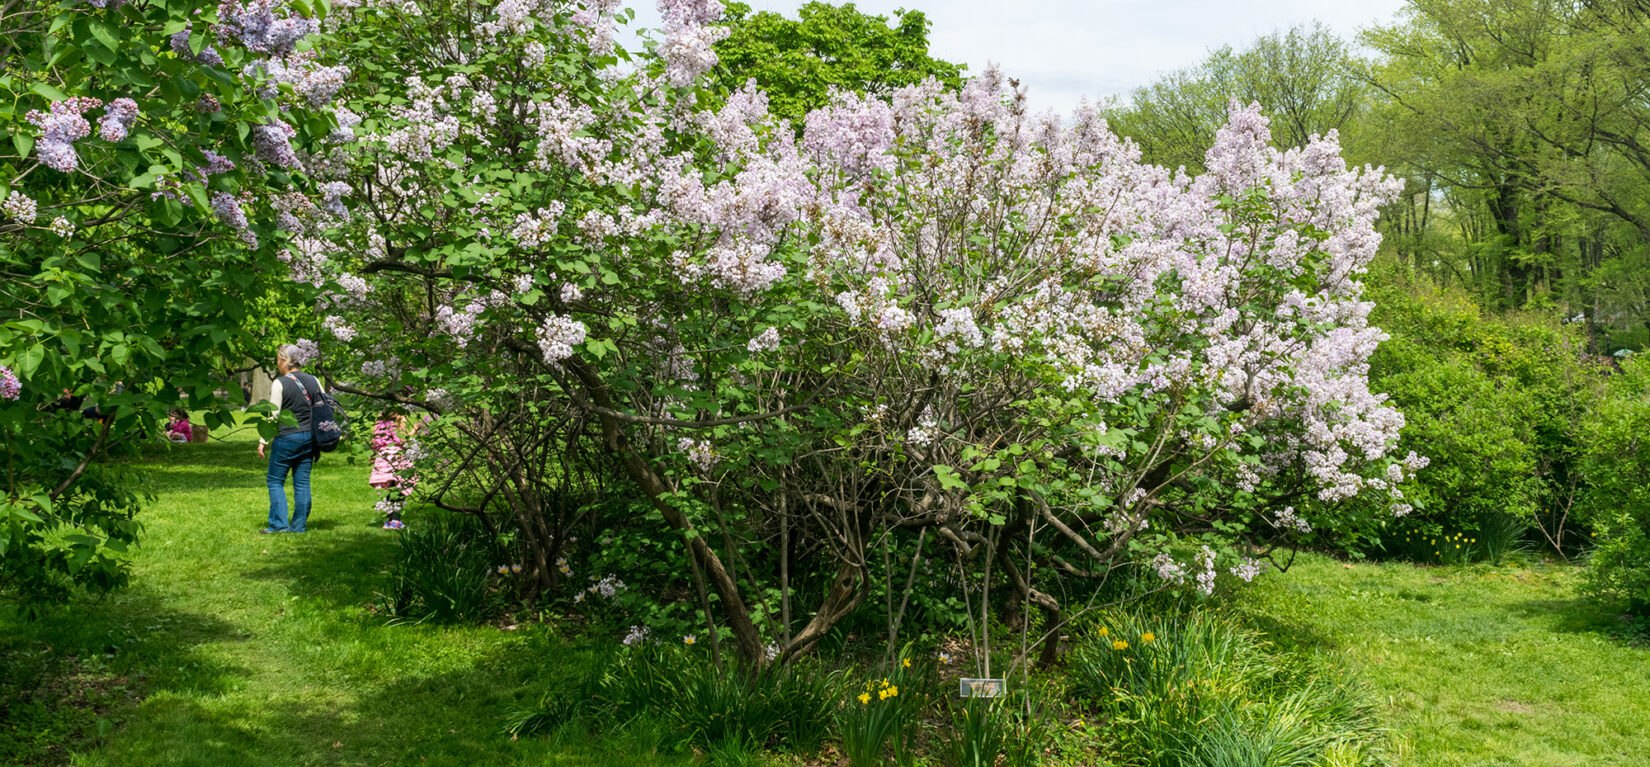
(124, 293)
(445, 570)
(878, 721)
(711, 709)
(1495, 403)
(798, 61)
(1192, 688)
(1012, 727)
(1617, 467)
(1512, 196)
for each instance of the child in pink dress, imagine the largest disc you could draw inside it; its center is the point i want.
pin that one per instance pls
(389, 463)
(179, 430)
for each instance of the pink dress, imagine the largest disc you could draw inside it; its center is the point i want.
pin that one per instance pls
(383, 468)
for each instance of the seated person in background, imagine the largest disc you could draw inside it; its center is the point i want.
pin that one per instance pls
(179, 429)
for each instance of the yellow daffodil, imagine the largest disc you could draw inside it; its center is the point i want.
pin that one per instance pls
(893, 692)
(1119, 645)
(865, 699)
(882, 694)
(1104, 631)
(1148, 637)
(906, 662)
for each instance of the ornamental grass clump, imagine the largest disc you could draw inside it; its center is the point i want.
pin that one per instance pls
(983, 730)
(444, 570)
(1195, 689)
(679, 689)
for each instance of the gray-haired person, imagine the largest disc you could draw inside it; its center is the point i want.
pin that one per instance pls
(292, 452)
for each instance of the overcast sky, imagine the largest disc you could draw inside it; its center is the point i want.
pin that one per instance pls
(1063, 50)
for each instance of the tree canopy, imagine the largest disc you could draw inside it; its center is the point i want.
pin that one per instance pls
(798, 61)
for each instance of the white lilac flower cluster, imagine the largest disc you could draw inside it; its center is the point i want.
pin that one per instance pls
(256, 26)
(230, 213)
(381, 369)
(1287, 519)
(272, 143)
(958, 330)
(1247, 569)
(767, 341)
(339, 328)
(332, 198)
(557, 337)
(926, 431)
(1206, 571)
(637, 635)
(699, 453)
(19, 208)
(62, 227)
(687, 45)
(607, 587)
(314, 83)
(1168, 569)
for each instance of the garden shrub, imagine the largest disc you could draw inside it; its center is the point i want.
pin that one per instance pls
(143, 148)
(1617, 504)
(1495, 403)
(935, 319)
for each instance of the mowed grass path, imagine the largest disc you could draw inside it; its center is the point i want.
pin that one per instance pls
(1479, 666)
(260, 650)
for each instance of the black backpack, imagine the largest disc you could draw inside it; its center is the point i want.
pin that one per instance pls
(326, 418)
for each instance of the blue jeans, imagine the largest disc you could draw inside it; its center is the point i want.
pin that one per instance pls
(291, 453)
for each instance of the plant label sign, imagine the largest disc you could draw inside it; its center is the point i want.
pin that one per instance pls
(981, 688)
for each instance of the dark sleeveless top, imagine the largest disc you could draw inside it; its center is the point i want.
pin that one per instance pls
(293, 400)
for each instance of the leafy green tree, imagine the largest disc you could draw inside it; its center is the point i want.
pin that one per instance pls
(1526, 121)
(1302, 78)
(798, 61)
(128, 255)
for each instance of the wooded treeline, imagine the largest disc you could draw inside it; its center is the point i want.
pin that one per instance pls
(1521, 127)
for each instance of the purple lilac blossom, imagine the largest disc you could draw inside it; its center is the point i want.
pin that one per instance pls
(256, 26)
(117, 120)
(10, 387)
(59, 129)
(272, 143)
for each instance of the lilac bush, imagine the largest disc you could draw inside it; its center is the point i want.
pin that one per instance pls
(932, 317)
(132, 251)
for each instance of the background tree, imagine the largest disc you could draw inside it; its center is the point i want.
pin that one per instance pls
(1523, 124)
(798, 61)
(1303, 79)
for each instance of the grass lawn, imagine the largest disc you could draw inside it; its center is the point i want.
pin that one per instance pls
(1480, 666)
(234, 648)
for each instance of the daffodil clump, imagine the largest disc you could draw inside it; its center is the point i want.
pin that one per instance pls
(1440, 548)
(879, 716)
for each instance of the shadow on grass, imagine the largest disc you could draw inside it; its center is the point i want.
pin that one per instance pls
(74, 675)
(454, 717)
(1576, 615)
(342, 570)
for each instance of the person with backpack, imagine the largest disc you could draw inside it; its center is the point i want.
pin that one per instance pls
(296, 446)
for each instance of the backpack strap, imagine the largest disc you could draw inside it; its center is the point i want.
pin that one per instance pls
(301, 387)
